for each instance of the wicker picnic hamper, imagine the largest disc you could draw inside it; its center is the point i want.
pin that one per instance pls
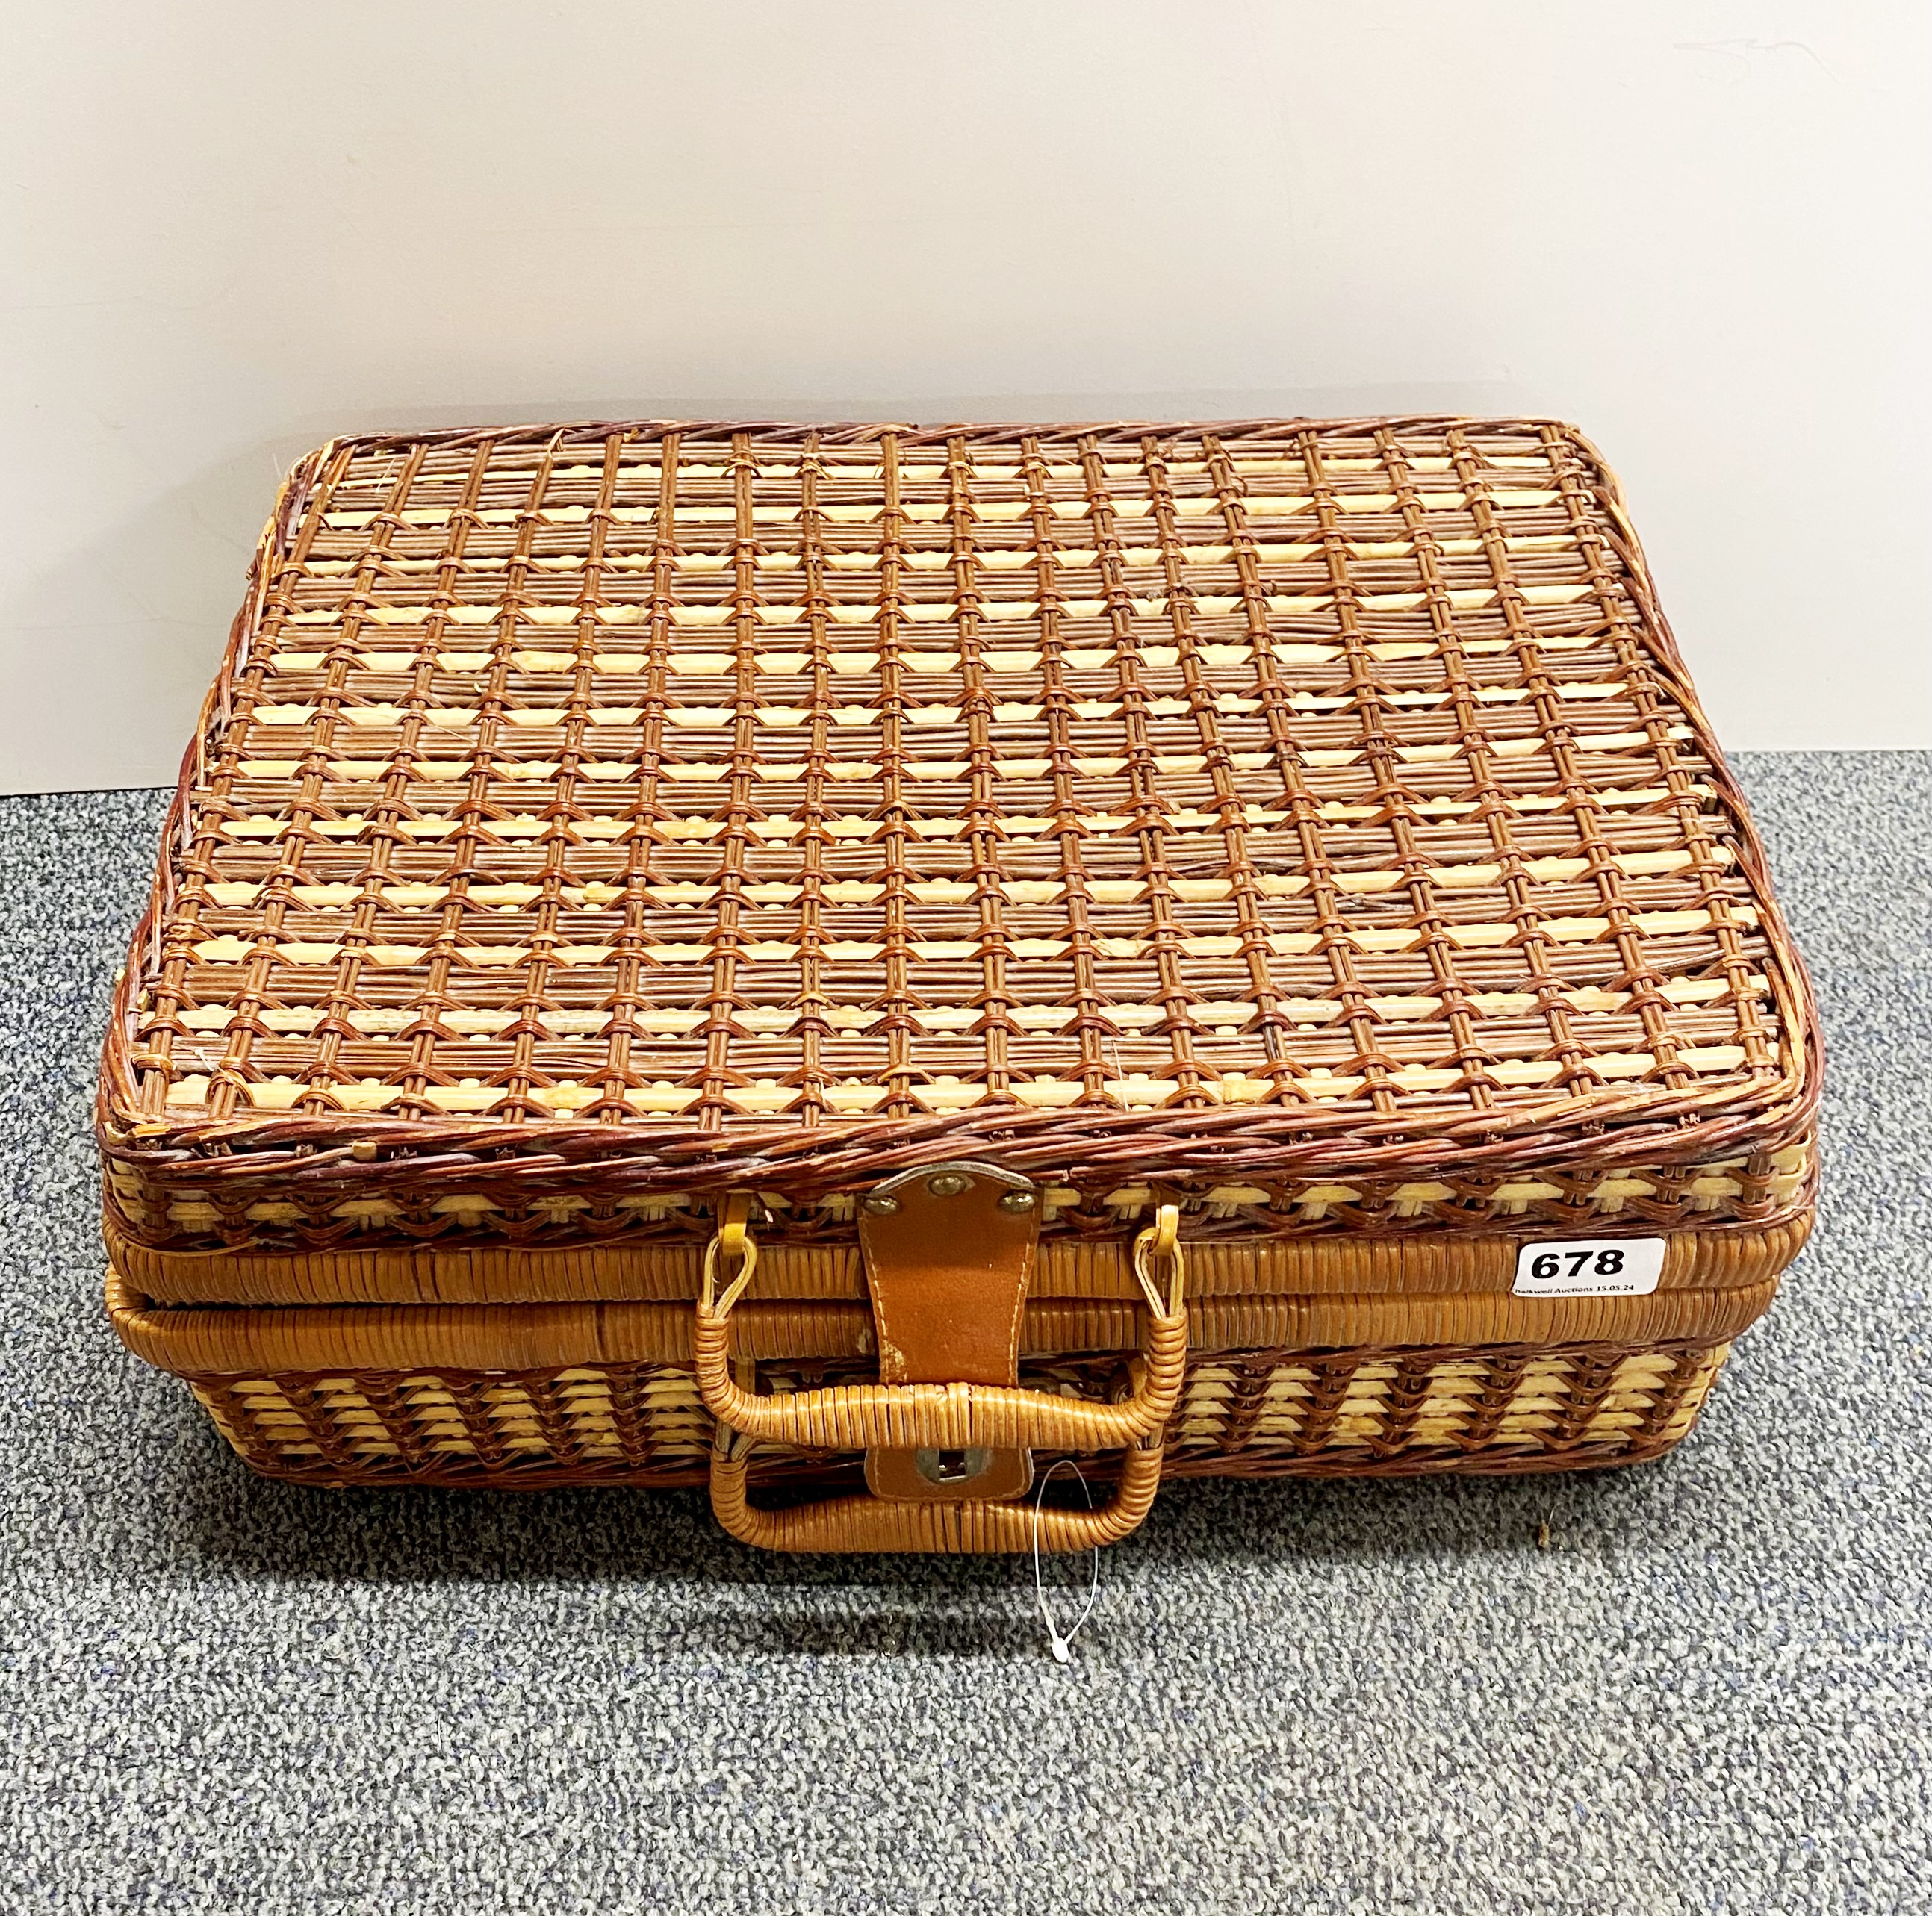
(847, 963)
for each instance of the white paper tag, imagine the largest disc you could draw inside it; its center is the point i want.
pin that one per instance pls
(1590, 1267)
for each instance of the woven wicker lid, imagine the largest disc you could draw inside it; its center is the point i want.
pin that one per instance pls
(658, 807)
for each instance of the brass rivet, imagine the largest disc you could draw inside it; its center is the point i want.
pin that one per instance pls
(948, 1184)
(1017, 1200)
(882, 1206)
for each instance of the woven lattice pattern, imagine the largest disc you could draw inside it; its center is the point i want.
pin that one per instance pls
(1256, 1413)
(1121, 793)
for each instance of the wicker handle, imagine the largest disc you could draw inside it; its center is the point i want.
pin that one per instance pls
(946, 1416)
(963, 1527)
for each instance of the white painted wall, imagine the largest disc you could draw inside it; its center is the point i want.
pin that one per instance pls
(1698, 227)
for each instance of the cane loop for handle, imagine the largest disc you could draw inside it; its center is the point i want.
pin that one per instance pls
(736, 1250)
(1159, 1244)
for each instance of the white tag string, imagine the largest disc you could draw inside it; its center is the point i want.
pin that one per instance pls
(1062, 1646)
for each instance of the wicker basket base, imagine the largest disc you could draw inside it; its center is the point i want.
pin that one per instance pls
(1256, 1413)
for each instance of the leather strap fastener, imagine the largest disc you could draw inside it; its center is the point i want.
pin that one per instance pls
(948, 1251)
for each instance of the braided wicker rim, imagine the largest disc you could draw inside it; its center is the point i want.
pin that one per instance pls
(1673, 1114)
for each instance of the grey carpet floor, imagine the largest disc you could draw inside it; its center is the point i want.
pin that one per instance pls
(1710, 1692)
